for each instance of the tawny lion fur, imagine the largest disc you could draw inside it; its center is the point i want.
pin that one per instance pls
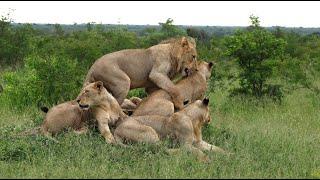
(104, 107)
(191, 89)
(184, 126)
(150, 68)
(69, 115)
(129, 105)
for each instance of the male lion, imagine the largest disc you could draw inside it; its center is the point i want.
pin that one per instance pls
(191, 89)
(149, 68)
(184, 126)
(104, 107)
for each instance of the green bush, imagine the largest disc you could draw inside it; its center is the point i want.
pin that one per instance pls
(257, 52)
(43, 80)
(14, 42)
(139, 92)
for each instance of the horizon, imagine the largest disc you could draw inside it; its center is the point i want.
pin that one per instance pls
(160, 25)
(293, 14)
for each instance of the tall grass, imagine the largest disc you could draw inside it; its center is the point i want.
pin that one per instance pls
(269, 140)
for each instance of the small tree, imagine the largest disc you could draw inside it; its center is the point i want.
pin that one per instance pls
(256, 51)
(167, 30)
(171, 30)
(198, 34)
(58, 30)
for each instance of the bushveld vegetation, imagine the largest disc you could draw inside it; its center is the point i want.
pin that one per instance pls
(264, 99)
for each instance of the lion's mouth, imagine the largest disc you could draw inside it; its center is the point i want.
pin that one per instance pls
(86, 106)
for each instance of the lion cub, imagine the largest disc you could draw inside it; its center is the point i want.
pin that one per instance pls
(191, 89)
(184, 126)
(104, 107)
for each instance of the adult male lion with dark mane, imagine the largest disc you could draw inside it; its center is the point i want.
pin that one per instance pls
(150, 68)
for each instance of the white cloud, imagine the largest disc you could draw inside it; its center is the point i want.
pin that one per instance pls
(225, 13)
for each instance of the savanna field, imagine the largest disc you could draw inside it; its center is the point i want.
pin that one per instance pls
(265, 113)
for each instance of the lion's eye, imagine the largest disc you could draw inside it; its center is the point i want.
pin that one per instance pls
(86, 91)
(194, 57)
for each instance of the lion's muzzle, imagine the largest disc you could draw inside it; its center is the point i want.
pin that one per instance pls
(82, 106)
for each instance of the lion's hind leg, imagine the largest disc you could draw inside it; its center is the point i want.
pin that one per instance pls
(118, 86)
(134, 131)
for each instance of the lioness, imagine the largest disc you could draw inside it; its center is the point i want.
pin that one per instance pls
(191, 89)
(67, 115)
(129, 105)
(104, 107)
(149, 68)
(184, 126)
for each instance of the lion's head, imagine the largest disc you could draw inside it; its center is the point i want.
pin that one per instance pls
(200, 110)
(91, 95)
(205, 68)
(185, 54)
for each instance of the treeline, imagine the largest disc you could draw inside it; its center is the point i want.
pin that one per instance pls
(139, 29)
(41, 66)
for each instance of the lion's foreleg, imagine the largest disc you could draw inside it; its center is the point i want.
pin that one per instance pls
(105, 131)
(209, 147)
(196, 151)
(201, 144)
(187, 143)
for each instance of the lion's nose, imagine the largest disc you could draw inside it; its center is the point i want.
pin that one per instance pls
(186, 70)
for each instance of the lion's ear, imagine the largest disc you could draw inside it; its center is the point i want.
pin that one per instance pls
(99, 85)
(211, 64)
(184, 42)
(205, 101)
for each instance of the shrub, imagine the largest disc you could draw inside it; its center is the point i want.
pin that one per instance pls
(14, 42)
(139, 92)
(43, 80)
(257, 52)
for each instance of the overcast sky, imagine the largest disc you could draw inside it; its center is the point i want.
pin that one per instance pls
(274, 13)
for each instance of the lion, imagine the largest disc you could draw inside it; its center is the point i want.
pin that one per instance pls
(67, 115)
(129, 105)
(191, 89)
(150, 68)
(105, 108)
(94, 106)
(184, 126)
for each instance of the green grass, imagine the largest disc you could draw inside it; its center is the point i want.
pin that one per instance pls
(268, 141)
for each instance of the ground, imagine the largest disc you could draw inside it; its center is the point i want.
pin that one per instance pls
(268, 140)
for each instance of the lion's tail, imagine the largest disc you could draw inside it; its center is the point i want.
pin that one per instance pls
(33, 131)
